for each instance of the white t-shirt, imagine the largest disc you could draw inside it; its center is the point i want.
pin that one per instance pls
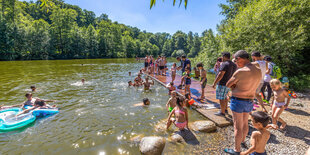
(262, 65)
(267, 77)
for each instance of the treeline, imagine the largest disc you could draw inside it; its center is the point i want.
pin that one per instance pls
(29, 31)
(279, 28)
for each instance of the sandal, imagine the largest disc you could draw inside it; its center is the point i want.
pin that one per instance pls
(231, 151)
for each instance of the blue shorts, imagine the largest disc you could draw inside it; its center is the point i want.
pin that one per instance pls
(240, 106)
(221, 92)
(255, 153)
(188, 81)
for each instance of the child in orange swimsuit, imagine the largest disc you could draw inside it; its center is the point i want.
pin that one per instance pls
(181, 115)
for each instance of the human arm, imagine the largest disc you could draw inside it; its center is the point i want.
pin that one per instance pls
(169, 117)
(286, 94)
(167, 105)
(231, 83)
(186, 118)
(218, 78)
(27, 110)
(253, 144)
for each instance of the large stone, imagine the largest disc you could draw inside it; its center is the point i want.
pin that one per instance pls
(203, 126)
(176, 138)
(152, 145)
(136, 139)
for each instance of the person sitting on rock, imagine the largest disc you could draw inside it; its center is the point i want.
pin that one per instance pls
(181, 116)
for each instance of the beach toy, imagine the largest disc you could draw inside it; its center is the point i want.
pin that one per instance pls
(255, 105)
(43, 112)
(191, 101)
(9, 121)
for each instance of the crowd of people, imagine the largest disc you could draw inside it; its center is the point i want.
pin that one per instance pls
(238, 81)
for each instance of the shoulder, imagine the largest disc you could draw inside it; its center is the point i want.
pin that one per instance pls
(256, 134)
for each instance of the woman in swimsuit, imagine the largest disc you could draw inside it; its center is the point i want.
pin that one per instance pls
(181, 116)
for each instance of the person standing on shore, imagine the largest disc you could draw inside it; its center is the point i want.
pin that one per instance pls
(184, 63)
(226, 70)
(256, 56)
(243, 83)
(267, 79)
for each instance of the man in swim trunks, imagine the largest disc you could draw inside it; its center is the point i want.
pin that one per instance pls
(243, 83)
(138, 80)
(226, 70)
(171, 102)
(203, 79)
(147, 84)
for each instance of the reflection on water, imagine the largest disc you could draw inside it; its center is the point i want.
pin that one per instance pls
(97, 117)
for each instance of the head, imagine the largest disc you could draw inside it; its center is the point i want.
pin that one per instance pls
(275, 84)
(220, 59)
(200, 65)
(188, 96)
(260, 119)
(83, 80)
(39, 102)
(187, 70)
(28, 96)
(242, 58)
(139, 75)
(173, 94)
(256, 55)
(129, 83)
(268, 58)
(225, 56)
(33, 88)
(183, 57)
(174, 64)
(171, 83)
(180, 102)
(146, 78)
(178, 58)
(146, 101)
(129, 73)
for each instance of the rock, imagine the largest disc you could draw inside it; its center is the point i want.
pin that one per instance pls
(152, 145)
(136, 139)
(161, 126)
(203, 126)
(176, 138)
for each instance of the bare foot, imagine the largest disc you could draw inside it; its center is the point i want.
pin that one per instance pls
(283, 126)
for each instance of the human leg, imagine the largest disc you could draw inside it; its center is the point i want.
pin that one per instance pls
(245, 125)
(238, 129)
(269, 90)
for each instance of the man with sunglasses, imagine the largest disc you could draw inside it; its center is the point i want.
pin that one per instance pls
(243, 83)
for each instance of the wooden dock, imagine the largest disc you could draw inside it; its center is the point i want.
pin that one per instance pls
(209, 106)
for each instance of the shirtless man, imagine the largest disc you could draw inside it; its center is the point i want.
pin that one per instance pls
(30, 101)
(147, 84)
(243, 83)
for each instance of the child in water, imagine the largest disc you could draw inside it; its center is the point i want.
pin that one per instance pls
(129, 73)
(279, 104)
(180, 114)
(170, 86)
(33, 88)
(38, 104)
(83, 81)
(146, 102)
(171, 102)
(173, 71)
(147, 84)
(187, 80)
(259, 138)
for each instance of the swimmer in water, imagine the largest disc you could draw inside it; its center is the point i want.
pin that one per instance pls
(129, 73)
(38, 104)
(33, 88)
(30, 101)
(171, 102)
(83, 81)
(170, 86)
(147, 84)
(146, 102)
(138, 80)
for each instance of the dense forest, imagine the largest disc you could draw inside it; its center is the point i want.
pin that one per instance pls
(56, 30)
(29, 31)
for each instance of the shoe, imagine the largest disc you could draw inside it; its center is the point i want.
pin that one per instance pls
(219, 114)
(243, 145)
(231, 151)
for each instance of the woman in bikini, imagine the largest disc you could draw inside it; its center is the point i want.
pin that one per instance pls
(181, 116)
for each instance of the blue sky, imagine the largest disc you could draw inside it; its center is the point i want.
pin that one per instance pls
(199, 15)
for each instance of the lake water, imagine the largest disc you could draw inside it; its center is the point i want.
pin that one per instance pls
(95, 118)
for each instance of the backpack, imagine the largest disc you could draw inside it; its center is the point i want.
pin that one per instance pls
(276, 72)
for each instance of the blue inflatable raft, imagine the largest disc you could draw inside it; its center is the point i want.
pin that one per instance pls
(9, 121)
(43, 112)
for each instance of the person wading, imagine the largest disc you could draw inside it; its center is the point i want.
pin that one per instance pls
(225, 72)
(243, 83)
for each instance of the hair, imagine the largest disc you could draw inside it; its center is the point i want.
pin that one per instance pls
(200, 64)
(219, 59)
(32, 87)
(178, 58)
(187, 68)
(183, 56)
(242, 54)
(171, 83)
(267, 58)
(39, 102)
(275, 82)
(256, 54)
(145, 100)
(28, 94)
(226, 55)
(129, 81)
(261, 117)
(179, 101)
(187, 95)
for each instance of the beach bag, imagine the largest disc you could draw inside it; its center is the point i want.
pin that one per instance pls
(276, 72)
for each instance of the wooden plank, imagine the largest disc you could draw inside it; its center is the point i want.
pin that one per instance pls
(209, 106)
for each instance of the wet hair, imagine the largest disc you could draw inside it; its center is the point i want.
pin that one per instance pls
(39, 102)
(275, 82)
(171, 83)
(179, 101)
(267, 58)
(183, 56)
(145, 100)
(129, 82)
(200, 64)
(261, 117)
(32, 87)
(187, 95)
(256, 54)
(28, 94)
(219, 59)
(226, 55)
(242, 54)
